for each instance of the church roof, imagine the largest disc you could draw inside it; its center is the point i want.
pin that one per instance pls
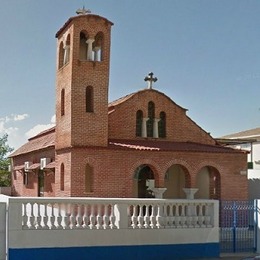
(43, 140)
(154, 145)
(121, 100)
(46, 139)
(78, 17)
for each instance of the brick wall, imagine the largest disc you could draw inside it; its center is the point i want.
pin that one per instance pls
(179, 127)
(18, 187)
(114, 170)
(76, 126)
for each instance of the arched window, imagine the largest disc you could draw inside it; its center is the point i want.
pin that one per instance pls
(139, 121)
(98, 47)
(83, 46)
(62, 102)
(89, 99)
(62, 177)
(61, 55)
(151, 112)
(162, 125)
(88, 178)
(66, 51)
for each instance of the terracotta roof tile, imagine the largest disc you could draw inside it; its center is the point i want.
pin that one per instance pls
(79, 17)
(154, 145)
(50, 165)
(112, 104)
(34, 166)
(41, 141)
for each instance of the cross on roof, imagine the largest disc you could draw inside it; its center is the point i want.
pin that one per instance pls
(83, 11)
(150, 80)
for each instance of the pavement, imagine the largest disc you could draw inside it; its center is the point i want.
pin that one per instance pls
(241, 256)
(238, 256)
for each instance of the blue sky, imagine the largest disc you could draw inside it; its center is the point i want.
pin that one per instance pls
(205, 54)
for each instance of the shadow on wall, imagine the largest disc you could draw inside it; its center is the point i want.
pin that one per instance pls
(253, 188)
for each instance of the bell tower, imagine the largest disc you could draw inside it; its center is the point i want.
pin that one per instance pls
(82, 78)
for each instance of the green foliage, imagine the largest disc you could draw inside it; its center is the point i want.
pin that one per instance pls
(5, 149)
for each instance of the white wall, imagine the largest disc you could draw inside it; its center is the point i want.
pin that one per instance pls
(256, 155)
(204, 229)
(2, 231)
(253, 184)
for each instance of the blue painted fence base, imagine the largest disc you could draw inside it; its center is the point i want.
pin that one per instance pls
(171, 252)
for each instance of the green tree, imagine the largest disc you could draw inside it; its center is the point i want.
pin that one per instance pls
(5, 149)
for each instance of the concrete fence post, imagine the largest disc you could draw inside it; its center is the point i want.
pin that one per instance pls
(257, 221)
(121, 214)
(3, 231)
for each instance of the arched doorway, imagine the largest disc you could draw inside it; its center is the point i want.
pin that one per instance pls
(142, 174)
(176, 178)
(208, 183)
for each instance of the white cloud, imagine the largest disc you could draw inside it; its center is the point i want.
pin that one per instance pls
(7, 126)
(16, 136)
(20, 117)
(53, 119)
(39, 128)
(4, 121)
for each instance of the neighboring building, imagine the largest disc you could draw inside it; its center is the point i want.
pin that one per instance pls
(249, 141)
(119, 149)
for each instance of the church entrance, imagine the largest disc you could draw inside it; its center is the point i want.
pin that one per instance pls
(208, 183)
(143, 174)
(41, 184)
(176, 179)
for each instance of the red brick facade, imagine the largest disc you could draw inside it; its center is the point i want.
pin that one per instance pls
(110, 150)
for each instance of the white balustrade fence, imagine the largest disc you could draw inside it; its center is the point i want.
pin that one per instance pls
(33, 223)
(95, 213)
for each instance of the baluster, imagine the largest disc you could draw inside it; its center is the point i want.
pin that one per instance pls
(188, 214)
(146, 216)
(52, 217)
(164, 215)
(92, 217)
(159, 217)
(99, 217)
(85, 217)
(112, 218)
(78, 216)
(44, 221)
(24, 217)
(195, 217)
(40, 216)
(129, 212)
(105, 217)
(166, 211)
(59, 217)
(140, 217)
(72, 216)
(177, 216)
(207, 216)
(29, 216)
(170, 216)
(37, 216)
(183, 217)
(66, 218)
(152, 217)
(134, 217)
(200, 217)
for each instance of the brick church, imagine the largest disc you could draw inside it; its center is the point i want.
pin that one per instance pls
(141, 145)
